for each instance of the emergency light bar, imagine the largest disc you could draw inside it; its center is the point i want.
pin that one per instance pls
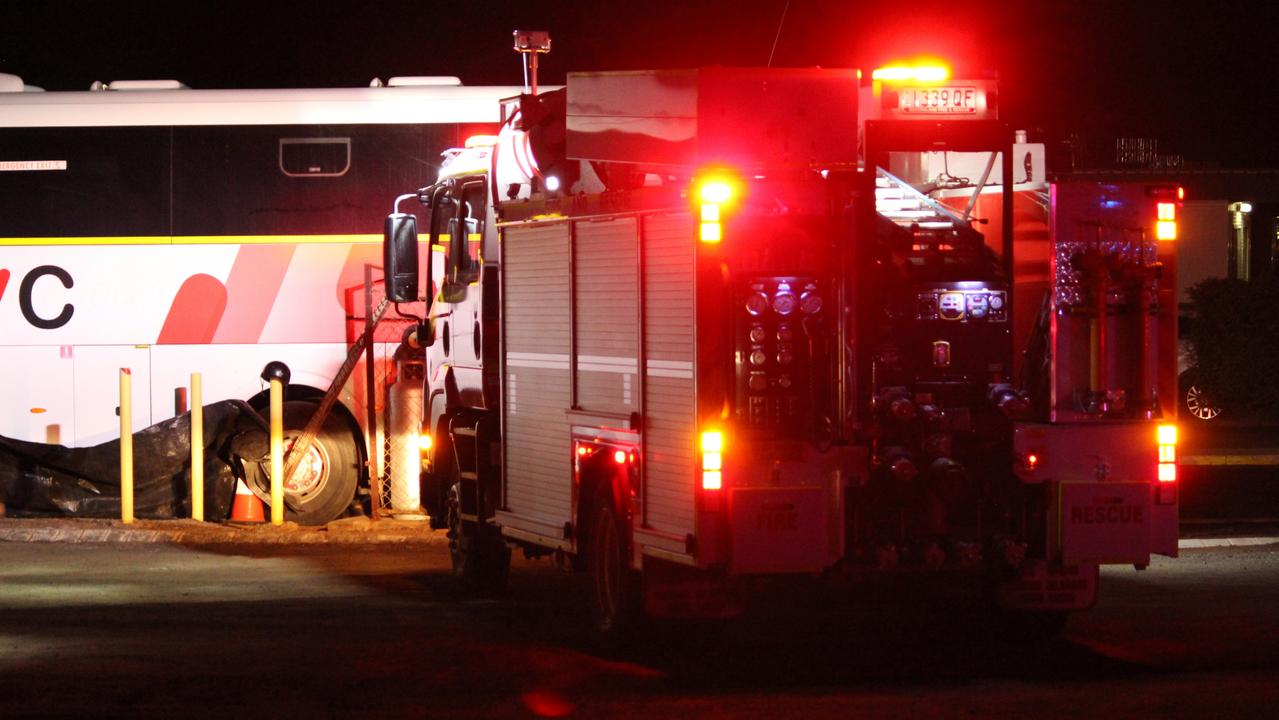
(916, 73)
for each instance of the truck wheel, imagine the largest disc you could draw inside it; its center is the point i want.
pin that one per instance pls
(481, 559)
(614, 587)
(323, 485)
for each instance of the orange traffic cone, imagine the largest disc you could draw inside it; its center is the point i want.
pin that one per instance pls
(247, 507)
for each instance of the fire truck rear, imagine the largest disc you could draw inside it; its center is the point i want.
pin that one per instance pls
(693, 328)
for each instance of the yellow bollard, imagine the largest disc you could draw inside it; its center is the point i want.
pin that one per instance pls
(126, 446)
(197, 447)
(277, 451)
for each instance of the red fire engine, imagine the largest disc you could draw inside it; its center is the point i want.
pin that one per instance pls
(690, 328)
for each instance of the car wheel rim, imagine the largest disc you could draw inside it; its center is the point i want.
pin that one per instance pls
(1198, 406)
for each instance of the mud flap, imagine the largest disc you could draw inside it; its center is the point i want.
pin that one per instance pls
(1102, 523)
(782, 530)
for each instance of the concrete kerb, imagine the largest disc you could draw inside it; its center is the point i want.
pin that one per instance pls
(1197, 543)
(351, 531)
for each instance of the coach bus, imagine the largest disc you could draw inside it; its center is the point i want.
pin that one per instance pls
(168, 230)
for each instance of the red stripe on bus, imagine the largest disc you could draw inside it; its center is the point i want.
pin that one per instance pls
(196, 311)
(254, 282)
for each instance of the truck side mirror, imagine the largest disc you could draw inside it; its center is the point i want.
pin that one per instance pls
(399, 257)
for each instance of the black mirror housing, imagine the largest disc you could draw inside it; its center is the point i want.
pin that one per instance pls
(399, 257)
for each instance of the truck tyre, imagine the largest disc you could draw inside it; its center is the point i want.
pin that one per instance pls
(481, 559)
(324, 484)
(614, 586)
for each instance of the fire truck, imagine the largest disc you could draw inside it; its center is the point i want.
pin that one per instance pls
(691, 329)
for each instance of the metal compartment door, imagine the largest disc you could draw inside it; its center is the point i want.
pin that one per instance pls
(537, 466)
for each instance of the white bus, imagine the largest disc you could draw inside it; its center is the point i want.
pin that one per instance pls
(167, 230)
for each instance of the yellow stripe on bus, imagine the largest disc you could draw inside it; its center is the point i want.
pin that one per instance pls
(197, 240)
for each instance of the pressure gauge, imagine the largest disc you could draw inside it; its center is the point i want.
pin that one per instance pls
(757, 303)
(810, 303)
(784, 302)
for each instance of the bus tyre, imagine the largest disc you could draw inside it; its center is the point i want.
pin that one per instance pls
(614, 586)
(481, 559)
(324, 483)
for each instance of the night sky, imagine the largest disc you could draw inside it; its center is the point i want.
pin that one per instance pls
(1200, 76)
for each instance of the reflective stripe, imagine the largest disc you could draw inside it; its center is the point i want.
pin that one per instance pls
(602, 363)
(670, 369)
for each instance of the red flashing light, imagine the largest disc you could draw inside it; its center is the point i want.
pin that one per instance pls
(1181, 193)
(619, 457)
(920, 72)
(717, 191)
(712, 445)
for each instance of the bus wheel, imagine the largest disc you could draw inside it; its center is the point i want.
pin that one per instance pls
(481, 559)
(614, 587)
(324, 483)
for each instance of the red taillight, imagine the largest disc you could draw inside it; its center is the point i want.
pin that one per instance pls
(1166, 221)
(712, 460)
(1166, 440)
(716, 190)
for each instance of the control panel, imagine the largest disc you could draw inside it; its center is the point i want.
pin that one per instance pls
(962, 305)
(776, 337)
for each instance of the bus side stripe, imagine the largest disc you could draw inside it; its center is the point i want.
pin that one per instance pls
(195, 313)
(252, 286)
(196, 240)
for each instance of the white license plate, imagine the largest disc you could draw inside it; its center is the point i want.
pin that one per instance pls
(938, 100)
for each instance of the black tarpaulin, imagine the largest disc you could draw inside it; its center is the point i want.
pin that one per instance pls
(40, 479)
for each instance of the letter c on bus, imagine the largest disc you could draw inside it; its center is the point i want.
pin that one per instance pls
(24, 297)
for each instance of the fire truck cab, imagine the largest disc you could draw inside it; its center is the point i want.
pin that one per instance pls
(690, 328)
